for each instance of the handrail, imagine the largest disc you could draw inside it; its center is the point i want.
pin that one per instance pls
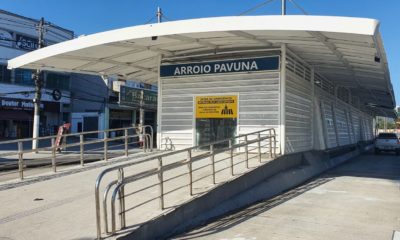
(52, 151)
(270, 134)
(66, 135)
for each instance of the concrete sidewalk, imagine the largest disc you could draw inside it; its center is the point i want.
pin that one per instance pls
(63, 207)
(358, 200)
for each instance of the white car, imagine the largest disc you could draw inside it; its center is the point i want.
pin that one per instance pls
(387, 142)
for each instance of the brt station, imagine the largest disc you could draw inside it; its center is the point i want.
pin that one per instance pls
(318, 81)
(306, 84)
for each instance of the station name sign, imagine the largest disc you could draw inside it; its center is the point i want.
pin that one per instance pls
(218, 67)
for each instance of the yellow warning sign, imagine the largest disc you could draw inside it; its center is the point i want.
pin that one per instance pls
(216, 106)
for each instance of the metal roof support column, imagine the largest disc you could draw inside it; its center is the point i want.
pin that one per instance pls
(283, 7)
(106, 107)
(282, 100)
(353, 138)
(333, 107)
(322, 124)
(312, 107)
(348, 123)
(159, 103)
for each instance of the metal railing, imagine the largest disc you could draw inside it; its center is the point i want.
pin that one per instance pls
(257, 144)
(76, 148)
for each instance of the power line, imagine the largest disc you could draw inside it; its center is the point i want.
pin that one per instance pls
(58, 37)
(58, 34)
(150, 20)
(255, 7)
(299, 7)
(168, 19)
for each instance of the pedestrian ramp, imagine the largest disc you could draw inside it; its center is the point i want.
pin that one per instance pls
(130, 195)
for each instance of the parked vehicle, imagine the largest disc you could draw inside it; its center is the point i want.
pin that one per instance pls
(387, 142)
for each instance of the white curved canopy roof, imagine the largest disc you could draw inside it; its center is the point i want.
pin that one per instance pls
(348, 51)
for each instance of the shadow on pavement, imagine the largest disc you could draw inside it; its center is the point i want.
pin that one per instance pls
(254, 210)
(385, 166)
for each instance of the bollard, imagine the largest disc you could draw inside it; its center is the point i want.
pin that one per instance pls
(81, 149)
(53, 154)
(21, 160)
(212, 158)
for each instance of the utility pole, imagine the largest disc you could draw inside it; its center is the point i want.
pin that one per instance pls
(159, 14)
(283, 7)
(141, 115)
(38, 91)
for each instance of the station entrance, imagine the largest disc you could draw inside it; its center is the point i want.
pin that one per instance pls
(216, 119)
(215, 129)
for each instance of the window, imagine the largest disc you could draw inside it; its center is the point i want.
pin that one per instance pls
(5, 74)
(58, 81)
(24, 77)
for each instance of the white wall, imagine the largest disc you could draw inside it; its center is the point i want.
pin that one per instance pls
(258, 97)
(339, 123)
(298, 112)
(78, 118)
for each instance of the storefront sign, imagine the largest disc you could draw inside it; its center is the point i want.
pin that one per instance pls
(149, 97)
(130, 95)
(216, 107)
(22, 104)
(26, 43)
(133, 96)
(217, 67)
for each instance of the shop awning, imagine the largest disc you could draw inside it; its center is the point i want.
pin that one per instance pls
(16, 115)
(347, 51)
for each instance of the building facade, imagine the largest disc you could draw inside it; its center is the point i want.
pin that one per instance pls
(18, 35)
(99, 103)
(89, 102)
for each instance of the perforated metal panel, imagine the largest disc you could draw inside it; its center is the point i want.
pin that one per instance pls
(298, 107)
(329, 124)
(258, 94)
(343, 123)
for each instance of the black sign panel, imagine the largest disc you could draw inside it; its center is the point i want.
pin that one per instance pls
(218, 67)
(26, 43)
(149, 97)
(133, 97)
(129, 95)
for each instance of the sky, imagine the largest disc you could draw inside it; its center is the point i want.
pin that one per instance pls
(91, 16)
